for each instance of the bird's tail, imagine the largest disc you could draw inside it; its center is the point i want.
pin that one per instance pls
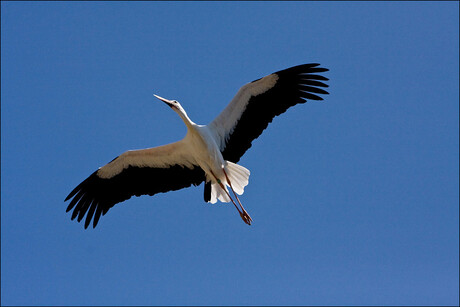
(239, 178)
(238, 175)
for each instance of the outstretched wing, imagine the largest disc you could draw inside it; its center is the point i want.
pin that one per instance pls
(134, 173)
(257, 103)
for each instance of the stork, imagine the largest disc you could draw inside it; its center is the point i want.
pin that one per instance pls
(207, 153)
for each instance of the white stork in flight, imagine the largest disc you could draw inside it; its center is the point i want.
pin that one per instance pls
(207, 153)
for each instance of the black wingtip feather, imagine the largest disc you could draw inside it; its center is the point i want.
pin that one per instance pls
(71, 194)
(310, 96)
(314, 83)
(74, 201)
(316, 69)
(90, 214)
(97, 215)
(314, 77)
(312, 89)
(83, 210)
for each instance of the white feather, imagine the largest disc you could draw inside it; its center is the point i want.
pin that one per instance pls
(158, 157)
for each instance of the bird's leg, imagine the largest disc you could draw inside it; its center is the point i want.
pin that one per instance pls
(239, 211)
(223, 188)
(244, 214)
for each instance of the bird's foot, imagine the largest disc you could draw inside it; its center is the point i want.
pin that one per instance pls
(245, 217)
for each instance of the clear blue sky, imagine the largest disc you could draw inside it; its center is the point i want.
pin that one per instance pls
(354, 200)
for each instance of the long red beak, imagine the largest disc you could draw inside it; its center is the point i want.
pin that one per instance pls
(168, 102)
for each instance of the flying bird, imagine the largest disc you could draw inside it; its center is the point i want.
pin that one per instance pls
(207, 153)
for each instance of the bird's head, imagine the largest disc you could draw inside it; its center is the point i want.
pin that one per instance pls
(175, 105)
(171, 103)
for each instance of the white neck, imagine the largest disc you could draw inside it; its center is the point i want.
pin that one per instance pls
(188, 122)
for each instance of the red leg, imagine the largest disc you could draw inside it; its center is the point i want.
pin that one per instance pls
(244, 215)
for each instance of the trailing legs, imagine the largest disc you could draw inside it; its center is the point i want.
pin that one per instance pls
(243, 214)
